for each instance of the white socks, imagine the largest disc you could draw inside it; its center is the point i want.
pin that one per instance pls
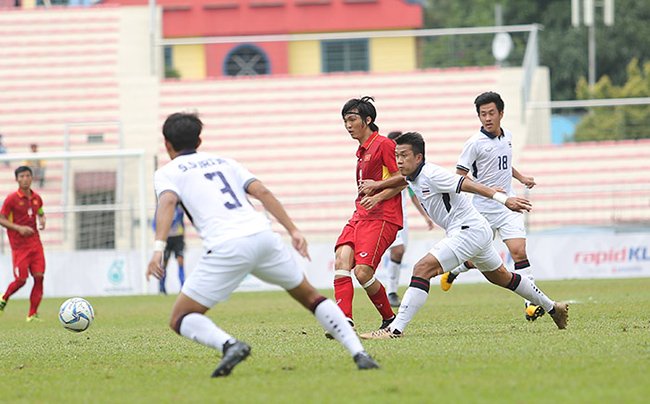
(529, 291)
(330, 316)
(526, 273)
(201, 329)
(413, 300)
(393, 269)
(460, 269)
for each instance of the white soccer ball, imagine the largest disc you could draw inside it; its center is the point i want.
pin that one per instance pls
(76, 314)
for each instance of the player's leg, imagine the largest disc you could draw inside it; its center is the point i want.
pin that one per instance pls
(490, 264)
(372, 238)
(278, 266)
(217, 274)
(517, 248)
(393, 270)
(343, 263)
(21, 271)
(179, 253)
(447, 279)
(166, 254)
(37, 269)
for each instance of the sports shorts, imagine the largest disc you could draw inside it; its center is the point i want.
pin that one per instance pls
(26, 260)
(222, 268)
(175, 244)
(467, 244)
(507, 223)
(369, 239)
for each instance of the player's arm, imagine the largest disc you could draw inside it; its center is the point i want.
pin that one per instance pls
(420, 208)
(22, 230)
(513, 203)
(370, 201)
(369, 187)
(260, 192)
(462, 171)
(528, 182)
(167, 202)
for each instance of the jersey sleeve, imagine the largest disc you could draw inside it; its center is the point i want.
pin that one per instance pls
(244, 176)
(162, 183)
(388, 156)
(467, 156)
(442, 181)
(7, 207)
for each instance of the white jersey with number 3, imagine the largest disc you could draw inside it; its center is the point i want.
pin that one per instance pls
(213, 192)
(438, 191)
(489, 161)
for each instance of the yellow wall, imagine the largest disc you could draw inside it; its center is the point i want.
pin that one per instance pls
(392, 54)
(304, 57)
(189, 61)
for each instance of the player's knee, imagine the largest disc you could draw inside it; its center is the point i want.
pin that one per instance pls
(363, 274)
(426, 271)
(397, 253)
(21, 281)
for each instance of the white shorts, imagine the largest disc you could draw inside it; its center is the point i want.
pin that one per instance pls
(223, 268)
(508, 224)
(401, 238)
(472, 244)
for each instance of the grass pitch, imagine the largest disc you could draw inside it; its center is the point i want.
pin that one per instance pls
(467, 345)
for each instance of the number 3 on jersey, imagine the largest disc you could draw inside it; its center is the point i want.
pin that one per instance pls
(503, 162)
(227, 189)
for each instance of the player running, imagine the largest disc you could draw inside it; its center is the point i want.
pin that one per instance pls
(468, 235)
(237, 241)
(487, 156)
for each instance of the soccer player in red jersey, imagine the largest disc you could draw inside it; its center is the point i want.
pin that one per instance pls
(18, 215)
(377, 217)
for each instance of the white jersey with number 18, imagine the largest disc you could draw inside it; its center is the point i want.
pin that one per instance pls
(213, 192)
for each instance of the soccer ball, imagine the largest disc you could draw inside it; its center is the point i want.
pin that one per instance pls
(76, 314)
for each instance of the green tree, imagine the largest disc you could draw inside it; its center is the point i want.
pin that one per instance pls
(616, 123)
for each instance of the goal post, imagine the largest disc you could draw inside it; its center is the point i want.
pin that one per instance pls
(97, 232)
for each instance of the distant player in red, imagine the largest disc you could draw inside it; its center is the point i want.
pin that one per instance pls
(377, 217)
(19, 212)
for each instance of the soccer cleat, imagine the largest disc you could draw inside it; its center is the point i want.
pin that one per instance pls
(233, 353)
(350, 321)
(365, 361)
(446, 280)
(534, 312)
(393, 299)
(3, 303)
(560, 314)
(386, 323)
(34, 318)
(383, 333)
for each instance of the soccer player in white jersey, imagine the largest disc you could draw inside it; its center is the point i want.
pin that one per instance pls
(468, 235)
(393, 258)
(487, 156)
(237, 241)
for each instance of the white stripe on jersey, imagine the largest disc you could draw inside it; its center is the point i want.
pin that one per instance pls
(439, 192)
(489, 161)
(213, 191)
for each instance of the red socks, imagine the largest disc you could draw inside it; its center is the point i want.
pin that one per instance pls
(36, 296)
(343, 293)
(380, 300)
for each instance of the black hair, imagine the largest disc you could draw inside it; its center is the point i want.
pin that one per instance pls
(22, 169)
(415, 140)
(394, 134)
(365, 109)
(487, 98)
(182, 130)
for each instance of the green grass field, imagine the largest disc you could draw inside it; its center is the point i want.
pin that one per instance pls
(468, 345)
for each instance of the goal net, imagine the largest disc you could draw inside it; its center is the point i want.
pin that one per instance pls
(97, 221)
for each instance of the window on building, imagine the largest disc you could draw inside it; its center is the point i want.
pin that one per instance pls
(246, 60)
(349, 55)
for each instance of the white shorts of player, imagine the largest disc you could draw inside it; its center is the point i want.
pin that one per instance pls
(472, 244)
(508, 224)
(401, 238)
(224, 267)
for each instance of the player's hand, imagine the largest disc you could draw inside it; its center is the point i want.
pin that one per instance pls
(299, 242)
(368, 187)
(518, 204)
(25, 231)
(528, 182)
(41, 222)
(369, 202)
(155, 268)
(430, 224)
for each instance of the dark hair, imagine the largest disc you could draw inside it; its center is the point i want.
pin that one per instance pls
(182, 130)
(487, 98)
(22, 169)
(365, 109)
(414, 139)
(394, 134)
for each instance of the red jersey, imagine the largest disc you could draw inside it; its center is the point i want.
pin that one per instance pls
(21, 209)
(376, 161)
